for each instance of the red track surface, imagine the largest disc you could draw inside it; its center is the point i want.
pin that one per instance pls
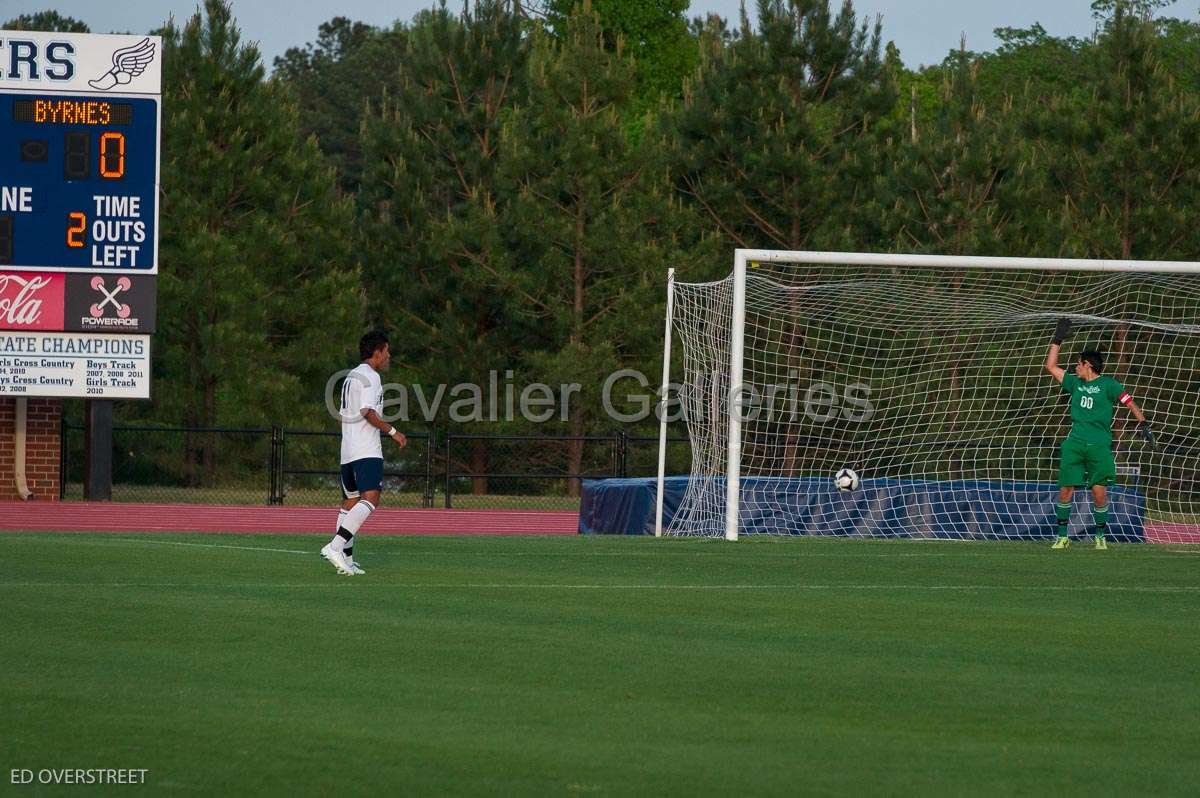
(107, 517)
(1172, 533)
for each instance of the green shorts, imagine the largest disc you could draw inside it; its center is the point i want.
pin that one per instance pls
(1085, 464)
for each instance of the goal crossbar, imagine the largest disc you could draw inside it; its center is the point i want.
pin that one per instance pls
(745, 256)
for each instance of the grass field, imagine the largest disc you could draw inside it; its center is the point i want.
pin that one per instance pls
(608, 666)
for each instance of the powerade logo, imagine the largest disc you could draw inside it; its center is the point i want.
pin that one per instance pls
(121, 303)
(27, 60)
(96, 313)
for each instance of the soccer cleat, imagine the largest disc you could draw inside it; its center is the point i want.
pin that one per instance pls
(337, 560)
(1061, 543)
(354, 569)
(1101, 545)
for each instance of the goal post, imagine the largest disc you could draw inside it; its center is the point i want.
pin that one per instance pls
(662, 407)
(944, 356)
(737, 354)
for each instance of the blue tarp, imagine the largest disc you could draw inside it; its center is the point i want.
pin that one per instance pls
(948, 509)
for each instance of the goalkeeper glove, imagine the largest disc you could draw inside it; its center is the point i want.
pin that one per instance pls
(1145, 431)
(1062, 332)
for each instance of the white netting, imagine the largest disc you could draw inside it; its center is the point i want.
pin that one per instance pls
(931, 385)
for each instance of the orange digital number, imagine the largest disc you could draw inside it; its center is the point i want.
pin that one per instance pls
(112, 155)
(75, 230)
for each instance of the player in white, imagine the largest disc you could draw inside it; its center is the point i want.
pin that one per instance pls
(362, 454)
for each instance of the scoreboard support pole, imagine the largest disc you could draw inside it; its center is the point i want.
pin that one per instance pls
(98, 459)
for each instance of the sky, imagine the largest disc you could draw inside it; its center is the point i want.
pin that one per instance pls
(924, 30)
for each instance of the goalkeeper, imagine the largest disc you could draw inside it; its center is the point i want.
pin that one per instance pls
(1086, 453)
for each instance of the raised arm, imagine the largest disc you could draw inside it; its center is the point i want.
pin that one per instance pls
(1143, 425)
(1061, 333)
(1137, 411)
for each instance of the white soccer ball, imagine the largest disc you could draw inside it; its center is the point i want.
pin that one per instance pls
(846, 480)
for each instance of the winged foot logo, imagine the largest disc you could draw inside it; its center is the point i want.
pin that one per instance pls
(128, 63)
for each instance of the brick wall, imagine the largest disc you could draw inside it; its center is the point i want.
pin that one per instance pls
(41, 448)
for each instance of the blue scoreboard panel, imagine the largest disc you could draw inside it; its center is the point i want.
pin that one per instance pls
(79, 184)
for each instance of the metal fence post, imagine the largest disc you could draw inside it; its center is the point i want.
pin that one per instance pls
(427, 499)
(273, 467)
(622, 454)
(449, 438)
(282, 465)
(64, 454)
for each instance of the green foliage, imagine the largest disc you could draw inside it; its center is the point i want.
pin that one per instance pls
(431, 204)
(50, 21)
(1120, 157)
(334, 80)
(1029, 59)
(258, 290)
(654, 32)
(773, 132)
(952, 185)
(1109, 10)
(515, 189)
(591, 211)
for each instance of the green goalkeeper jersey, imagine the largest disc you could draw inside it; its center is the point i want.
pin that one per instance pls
(1092, 403)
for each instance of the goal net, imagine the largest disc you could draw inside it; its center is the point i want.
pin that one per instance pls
(926, 375)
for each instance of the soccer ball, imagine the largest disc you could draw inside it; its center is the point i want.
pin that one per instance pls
(846, 480)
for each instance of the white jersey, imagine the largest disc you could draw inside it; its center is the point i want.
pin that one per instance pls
(361, 390)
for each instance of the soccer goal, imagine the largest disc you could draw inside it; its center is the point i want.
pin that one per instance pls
(925, 375)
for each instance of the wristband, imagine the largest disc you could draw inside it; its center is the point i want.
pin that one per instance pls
(391, 432)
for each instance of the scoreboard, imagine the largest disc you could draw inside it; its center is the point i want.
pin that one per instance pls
(80, 125)
(81, 192)
(78, 190)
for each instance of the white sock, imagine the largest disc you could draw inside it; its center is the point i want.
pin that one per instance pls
(357, 516)
(338, 539)
(339, 543)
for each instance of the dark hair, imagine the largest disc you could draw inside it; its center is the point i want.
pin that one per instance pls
(371, 343)
(1093, 359)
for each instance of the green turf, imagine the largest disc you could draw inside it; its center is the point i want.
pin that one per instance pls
(603, 666)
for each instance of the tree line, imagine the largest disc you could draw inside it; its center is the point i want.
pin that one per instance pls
(504, 187)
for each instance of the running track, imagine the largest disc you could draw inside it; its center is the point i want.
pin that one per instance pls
(108, 517)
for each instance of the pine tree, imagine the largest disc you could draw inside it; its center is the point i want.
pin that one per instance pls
(591, 214)
(952, 184)
(431, 204)
(50, 21)
(772, 137)
(1120, 154)
(335, 79)
(654, 33)
(1119, 158)
(258, 294)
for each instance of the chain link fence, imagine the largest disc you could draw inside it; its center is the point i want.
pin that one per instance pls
(438, 468)
(306, 471)
(196, 465)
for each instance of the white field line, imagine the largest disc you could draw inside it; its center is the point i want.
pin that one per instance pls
(664, 553)
(197, 545)
(1186, 589)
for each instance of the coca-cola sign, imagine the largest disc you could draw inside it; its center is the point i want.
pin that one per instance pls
(32, 301)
